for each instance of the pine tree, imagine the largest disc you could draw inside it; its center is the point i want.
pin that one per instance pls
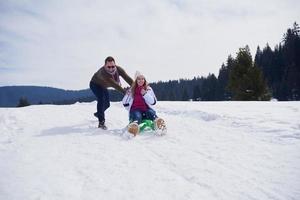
(245, 80)
(209, 88)
(258, 56)
(23, 102)
(196, 93)
(222, 91)
(291, 50)
(171, 96)
(185, 95)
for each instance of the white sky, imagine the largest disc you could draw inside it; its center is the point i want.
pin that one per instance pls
(62, 43)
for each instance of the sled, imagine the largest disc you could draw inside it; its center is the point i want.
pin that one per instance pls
(158, 127)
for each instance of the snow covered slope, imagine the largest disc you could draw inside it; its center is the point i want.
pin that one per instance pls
(213, 150)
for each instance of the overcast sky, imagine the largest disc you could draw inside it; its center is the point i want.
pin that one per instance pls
(61, 43)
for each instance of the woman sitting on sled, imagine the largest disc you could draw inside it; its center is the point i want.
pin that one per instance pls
(139, 100)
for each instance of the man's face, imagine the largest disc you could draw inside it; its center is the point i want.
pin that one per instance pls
(110, 66)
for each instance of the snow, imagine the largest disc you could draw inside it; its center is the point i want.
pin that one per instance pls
(213, 150)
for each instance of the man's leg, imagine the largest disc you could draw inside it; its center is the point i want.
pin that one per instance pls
(106, 102)
(100, 93)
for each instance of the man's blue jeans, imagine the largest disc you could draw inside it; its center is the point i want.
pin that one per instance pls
(102, 100)
(137, 115)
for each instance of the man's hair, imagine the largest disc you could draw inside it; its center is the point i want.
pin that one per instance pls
(109, 59)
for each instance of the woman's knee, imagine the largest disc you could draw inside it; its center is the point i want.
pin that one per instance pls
(135, 116)
(151, 114)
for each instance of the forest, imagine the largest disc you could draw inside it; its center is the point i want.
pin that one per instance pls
(272, 73)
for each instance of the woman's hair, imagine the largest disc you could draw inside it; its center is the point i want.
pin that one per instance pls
(134, 84)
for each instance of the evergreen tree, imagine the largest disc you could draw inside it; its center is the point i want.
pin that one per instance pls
(171, 96)
(196, 93)
(291, 50)
(277, 72)
(185, 95)
(209, 88)
(245, 79)
(258, 56)
(281, 67)
(222, 91)
(23, 102)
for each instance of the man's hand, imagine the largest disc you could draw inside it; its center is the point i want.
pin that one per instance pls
(127, 90)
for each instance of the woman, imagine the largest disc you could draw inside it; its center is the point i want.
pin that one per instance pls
(139, 100)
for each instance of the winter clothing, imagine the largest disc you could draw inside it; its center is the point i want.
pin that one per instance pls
(140, 106)
(138, 116)
(149, 97)
(102, 125)
(138, 73)
(102, 100)
(138, 101)
(105, 79)
(99, 83)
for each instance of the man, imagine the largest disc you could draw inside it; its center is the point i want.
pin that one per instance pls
(107, 76)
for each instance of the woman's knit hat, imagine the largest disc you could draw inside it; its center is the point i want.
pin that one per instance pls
(137, 74)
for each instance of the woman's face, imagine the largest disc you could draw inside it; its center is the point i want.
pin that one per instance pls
(140, 80)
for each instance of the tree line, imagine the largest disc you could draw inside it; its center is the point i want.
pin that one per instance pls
(272, 74)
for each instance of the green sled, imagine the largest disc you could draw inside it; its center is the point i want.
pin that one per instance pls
(146, 125)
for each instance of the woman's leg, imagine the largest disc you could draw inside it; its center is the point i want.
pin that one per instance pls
(135, 115)
(150, 114)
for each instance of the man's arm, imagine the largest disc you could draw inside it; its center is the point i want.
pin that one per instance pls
(115, 85)
(124, 75)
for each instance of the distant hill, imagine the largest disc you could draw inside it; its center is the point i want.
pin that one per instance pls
(10, 95)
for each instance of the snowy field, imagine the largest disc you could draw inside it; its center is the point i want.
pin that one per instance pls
(213, 150)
